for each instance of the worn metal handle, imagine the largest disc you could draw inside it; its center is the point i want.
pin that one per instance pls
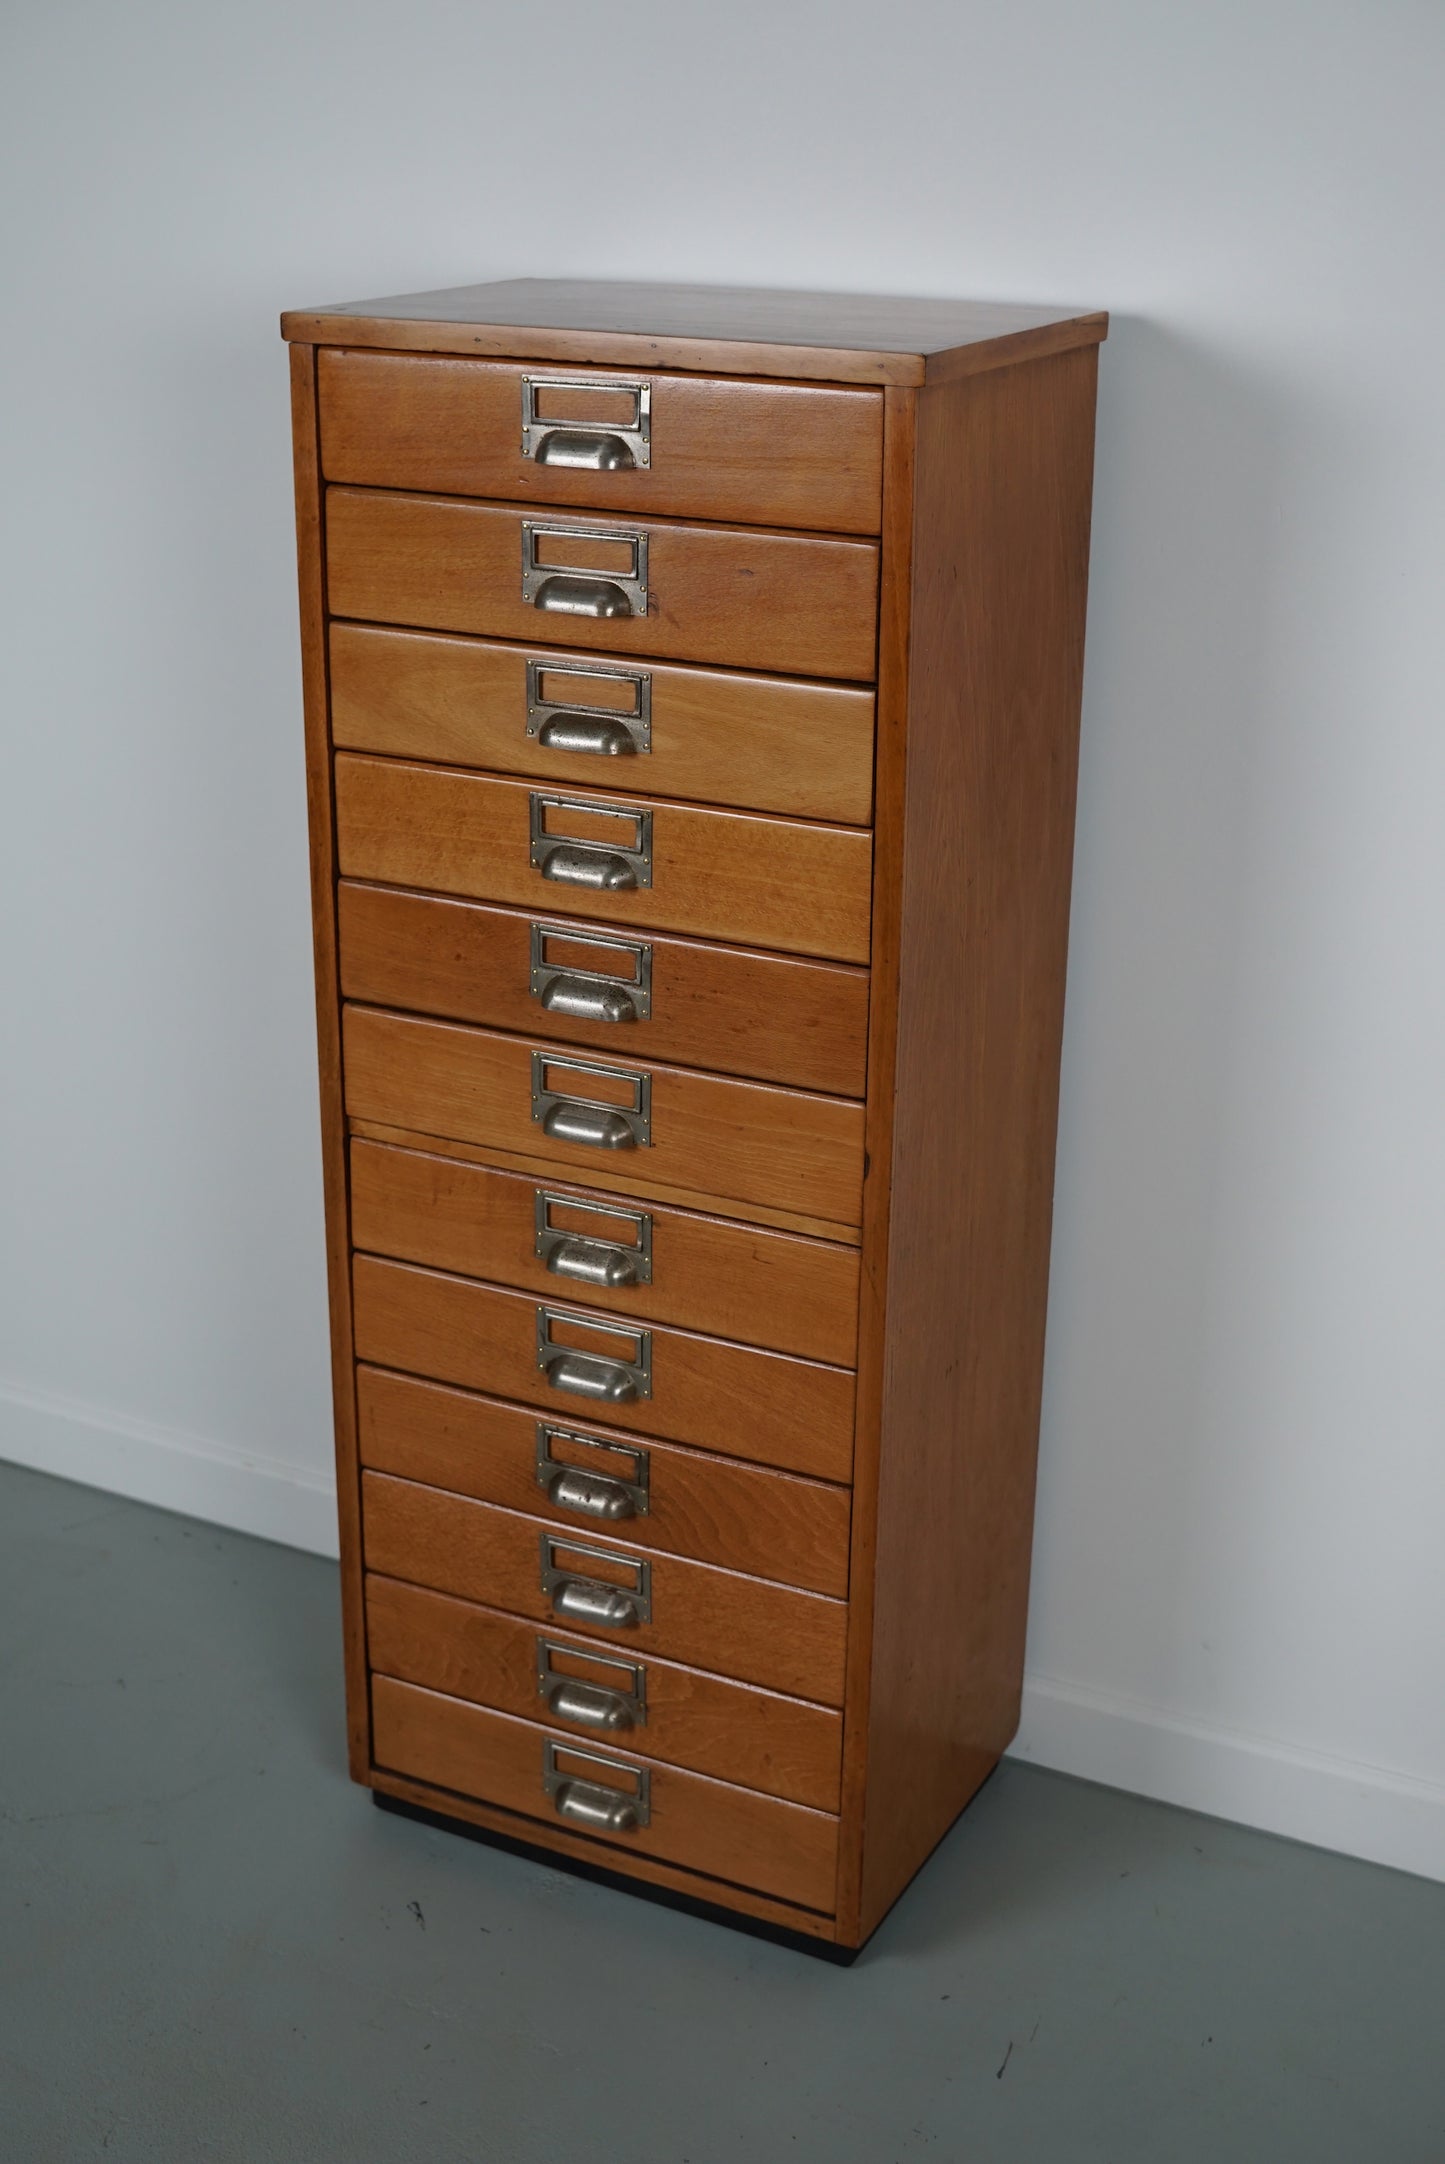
(588, 1601)
(587, 999)
(568, 436)
(614, 1604)
(571, 1116)
(593, 1494)
(601, 1376)
(568, 595)
(607, 1707)
(592, 1264)
(608, 1809)
(590, 1705)
(592, 1805)
(587, 732)
(587, 449)
(570, 582)
(580, 724)
(571, 865)
(591, 1257)
(605, 1492)
(617, 989)
(604, 1130)
(606, 1382)
(622, 857)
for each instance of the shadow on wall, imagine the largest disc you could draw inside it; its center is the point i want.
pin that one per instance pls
(1186, 555)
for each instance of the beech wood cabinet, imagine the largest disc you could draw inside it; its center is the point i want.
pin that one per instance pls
(692, 688)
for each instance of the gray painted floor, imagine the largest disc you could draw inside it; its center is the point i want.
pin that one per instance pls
(215, 1949)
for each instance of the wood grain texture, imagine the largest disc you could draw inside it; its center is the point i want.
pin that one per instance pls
(736, 1399)
(745, 1628)
(764, 454)
(731, 1833)
(759, 1215)
(1000, 539)
(737, 1281)
(725, 1008)
(714, 1509)
(766, 743)
(745, 597)
(783, 884)
(755, 1739)
(743, 1139)
(894, 620)
(720, 330)
(310, 555)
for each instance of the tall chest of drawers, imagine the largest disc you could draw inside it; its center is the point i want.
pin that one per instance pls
(692, 687)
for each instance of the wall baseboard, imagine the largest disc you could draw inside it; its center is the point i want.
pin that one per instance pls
(174, 1470)
(1371, 1812)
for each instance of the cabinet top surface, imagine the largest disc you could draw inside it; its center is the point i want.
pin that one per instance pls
(728, 330)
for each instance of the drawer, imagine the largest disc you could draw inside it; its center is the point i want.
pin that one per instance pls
(731, 1834)
(698, 1135)
(679, 1502)
(772, 743)
(699, 1273)
(770, 454)
(767, 1407)
(764, 1015)
(741, 1627)
(761, 882)
(746, 597)
(757, 1739)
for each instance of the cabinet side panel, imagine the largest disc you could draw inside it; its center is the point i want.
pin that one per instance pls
(310, 552)
(899, 416)
(1000, 558)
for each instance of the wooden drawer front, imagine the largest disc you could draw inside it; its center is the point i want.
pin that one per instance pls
(763, 1406)
(734, 1281)
(760, 882)
(738, 1012)
(783, 1746)
(770, 1524)
(745, 1628)
(732, 1834)
(769, 454)
(770, 743)
(746, 597)
(735, 1141)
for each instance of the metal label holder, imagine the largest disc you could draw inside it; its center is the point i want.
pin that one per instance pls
(572, 1116)
(577, 725)
(573, 589)
(594, 1261)
(627, 1707)
(631, 1488)
(595, 1600)
(580, 861)
(592, 995)
(598, 1805)
(598, 1375)
(594, 446)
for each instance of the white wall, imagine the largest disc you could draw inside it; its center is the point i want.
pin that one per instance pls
(1239, 1596)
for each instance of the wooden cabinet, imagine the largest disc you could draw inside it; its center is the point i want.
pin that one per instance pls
(692, 692)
